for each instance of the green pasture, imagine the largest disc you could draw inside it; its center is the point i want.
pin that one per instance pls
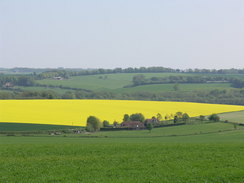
(213, 158)
(12, 127)
(237, 117)
(116, 82)
(198, 152)
(95, 82)
(189, 129)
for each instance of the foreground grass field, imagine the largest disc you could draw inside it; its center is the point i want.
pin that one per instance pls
(75, 112)
(214, 157)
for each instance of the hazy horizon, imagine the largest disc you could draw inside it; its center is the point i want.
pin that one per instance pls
(110, 34)
(85, 68)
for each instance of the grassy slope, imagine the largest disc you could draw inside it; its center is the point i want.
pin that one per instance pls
(193, 129)
(116, 82)
(93, 82)
(233, 116)
(200, 158)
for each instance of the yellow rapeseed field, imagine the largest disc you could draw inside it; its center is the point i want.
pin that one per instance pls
(75, 112)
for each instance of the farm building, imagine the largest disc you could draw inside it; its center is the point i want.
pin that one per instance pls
(7, 85)
(153, 120)
(133, 124)
(58, 78)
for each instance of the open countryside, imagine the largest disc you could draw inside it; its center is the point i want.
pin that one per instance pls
(197, 153)
(121, 91)
(76, 112)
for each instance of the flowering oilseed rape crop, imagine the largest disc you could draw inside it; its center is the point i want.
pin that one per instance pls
(75, 112)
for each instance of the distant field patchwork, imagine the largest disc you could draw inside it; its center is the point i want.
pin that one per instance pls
(75, 112)
(116, 83)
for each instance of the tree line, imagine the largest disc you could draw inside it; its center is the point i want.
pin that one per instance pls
(140, 79)
(94, 124)
(80, 71)
(76, 72)
(216, 96)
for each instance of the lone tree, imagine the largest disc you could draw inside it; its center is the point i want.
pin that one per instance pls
(137, 117)
(159, 117)
(179, 114)
(116, 124)
(185, 117)
(176, 119)
(105, 123)
(214, 117)
(149, 127)
(93, 124)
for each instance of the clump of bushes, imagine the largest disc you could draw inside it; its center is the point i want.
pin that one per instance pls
(214, 117)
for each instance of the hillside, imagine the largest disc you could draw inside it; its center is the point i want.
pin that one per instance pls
(169, 85)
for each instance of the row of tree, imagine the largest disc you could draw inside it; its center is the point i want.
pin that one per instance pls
(94, 124)
(79, 72)
(140, 79)
(20, 80)
(216, 96)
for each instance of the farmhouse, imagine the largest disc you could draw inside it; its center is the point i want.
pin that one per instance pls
(133, 125)
(7, 85)
(58, 78)
(153, 120)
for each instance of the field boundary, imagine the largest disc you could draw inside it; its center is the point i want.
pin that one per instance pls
(122, 137)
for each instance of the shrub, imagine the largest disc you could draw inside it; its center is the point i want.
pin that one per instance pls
(185, 117)
(214, 117)
(149, 126)
(105, 123)
(201, 118)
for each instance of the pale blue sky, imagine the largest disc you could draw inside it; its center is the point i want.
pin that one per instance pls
(126, 33)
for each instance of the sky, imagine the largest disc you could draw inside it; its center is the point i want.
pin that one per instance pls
(122, 33)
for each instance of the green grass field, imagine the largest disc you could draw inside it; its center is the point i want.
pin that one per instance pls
(116, 82)
(237, 117)
(208, 152)
(12, 127)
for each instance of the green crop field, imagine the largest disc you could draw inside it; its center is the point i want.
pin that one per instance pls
(116, 83)
(237, 117)
(208, 152)
(12, 127)
(93, 82)
(191, 129)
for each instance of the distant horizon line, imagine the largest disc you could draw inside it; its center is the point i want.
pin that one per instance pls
(94, 68)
